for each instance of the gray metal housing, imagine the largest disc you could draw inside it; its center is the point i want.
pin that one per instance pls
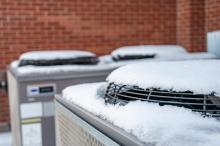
(76, 126)
(22, 122)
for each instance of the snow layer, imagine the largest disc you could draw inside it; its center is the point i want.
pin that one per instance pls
(52, 55)
(172, 57)
(158, 50)
(105, 62)
(192, 56)
(201, 76)
(106, 59)
(46, 70)
(149, 122)
(202, 55)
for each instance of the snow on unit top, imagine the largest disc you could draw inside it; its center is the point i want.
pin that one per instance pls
(192, 56)
(52, 55)
(201, 55)
(31, 70)
(158, 50)
(149, 122)
(198, 76)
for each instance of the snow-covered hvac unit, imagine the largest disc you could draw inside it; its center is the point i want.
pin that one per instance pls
(34, 80)
(130, 54)
(127, 54)
(140, 104)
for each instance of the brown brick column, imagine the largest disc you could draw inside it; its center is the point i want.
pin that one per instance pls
(212, 15)
(191, 24)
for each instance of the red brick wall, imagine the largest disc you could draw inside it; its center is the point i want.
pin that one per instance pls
(4, 112)
(184, 23)
(212, 15)
(96, 25)
(198, 25)
(191, 24)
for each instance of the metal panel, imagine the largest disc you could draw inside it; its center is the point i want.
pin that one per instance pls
(14, 109)
(213, 39)
(48, 131)
(114, 133)
(18, 95)
(48, 109)
(73, 131)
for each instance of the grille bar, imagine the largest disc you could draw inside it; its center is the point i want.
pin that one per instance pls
(208, 105)
(171, 102)
(161, 96)
(150, 90)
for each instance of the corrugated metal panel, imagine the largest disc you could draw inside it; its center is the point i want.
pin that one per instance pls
(73, 131)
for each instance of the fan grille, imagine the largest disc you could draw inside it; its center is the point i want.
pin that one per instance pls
(208, 105)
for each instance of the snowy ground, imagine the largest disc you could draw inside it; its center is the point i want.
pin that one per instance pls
(151, 123)
(5, 139)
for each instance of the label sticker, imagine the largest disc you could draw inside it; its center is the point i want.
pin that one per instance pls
(29, 110)
(31, 134)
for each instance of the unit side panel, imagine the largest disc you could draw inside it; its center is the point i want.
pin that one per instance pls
(14, 109)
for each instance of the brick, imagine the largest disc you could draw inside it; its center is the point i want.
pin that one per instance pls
(212, 15)
(191, 24)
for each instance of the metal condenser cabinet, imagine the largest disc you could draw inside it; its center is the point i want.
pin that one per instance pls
(31, 102)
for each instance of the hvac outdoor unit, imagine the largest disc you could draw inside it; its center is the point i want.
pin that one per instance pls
(78, 127)
(31, 97)
(80, 118)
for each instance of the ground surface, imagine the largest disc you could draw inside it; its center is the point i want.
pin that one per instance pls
(5, 139)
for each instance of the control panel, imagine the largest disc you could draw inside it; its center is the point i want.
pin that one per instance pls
(41, 90)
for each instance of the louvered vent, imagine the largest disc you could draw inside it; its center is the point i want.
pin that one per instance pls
(132, 57)
(73, 61)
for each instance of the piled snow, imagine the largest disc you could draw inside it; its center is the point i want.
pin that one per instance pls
(52, 55)
(149, 122)
(158, 50)
(201, 76)
(105, 59)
